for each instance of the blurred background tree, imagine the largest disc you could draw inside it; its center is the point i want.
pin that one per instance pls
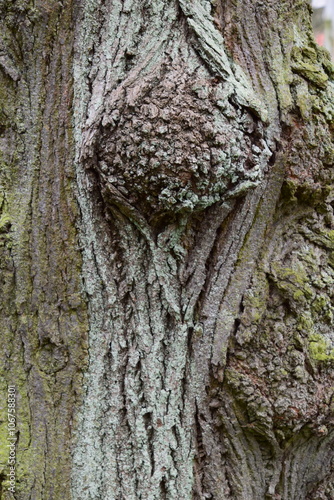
(323, 23)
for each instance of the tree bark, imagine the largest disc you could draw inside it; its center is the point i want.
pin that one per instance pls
(167, 250)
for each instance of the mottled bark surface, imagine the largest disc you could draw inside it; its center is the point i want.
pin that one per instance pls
(168, 204)
(43, 314)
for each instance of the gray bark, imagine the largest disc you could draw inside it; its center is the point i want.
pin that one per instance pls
(190, 176)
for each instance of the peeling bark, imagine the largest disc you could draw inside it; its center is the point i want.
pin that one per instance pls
(170, 209)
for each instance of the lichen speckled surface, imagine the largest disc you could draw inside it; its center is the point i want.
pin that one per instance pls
(43, 317)
(182, 183)
(166, 250)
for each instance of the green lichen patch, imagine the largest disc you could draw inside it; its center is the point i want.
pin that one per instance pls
(312, 64)
(331, 259)
(320, 348)
(255, 300)
(324, 58)
(321, 306)
(5, 222)
(294, 281)
(311, 73)
(321, 237)
(305, 323)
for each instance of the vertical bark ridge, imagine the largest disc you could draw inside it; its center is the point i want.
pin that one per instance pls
(190, 243)
(42, 305)
(151, 218)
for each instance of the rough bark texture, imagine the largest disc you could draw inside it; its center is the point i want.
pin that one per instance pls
(188, 147)
(42, 306)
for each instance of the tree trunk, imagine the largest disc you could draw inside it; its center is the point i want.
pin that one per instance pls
(167, 250)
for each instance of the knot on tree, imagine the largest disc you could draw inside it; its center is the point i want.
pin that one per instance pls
(180, 146)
